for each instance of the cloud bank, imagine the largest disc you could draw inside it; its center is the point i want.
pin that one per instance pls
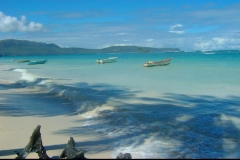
(12, 24)
(218, 43)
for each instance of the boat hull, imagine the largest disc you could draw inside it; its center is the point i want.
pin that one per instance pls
(160, 63)
(108, 60)
(37, 62)
(22, 61)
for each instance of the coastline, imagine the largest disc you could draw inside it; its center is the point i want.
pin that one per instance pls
(22, 109)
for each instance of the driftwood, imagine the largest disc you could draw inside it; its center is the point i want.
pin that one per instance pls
(69, 152)
(35, 143)
(124, 156)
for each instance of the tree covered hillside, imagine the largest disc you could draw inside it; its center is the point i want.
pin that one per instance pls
(11, 47)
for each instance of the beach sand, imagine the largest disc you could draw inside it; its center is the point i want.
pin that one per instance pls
(22, 109)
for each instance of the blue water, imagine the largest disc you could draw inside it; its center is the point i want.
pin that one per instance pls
(188, 109)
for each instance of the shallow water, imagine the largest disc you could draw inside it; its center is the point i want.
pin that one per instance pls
(188, 109)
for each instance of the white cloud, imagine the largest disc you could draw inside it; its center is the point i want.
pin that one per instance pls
(218, 43)
(12, 24)
(220, 40)
(150, 40)
(177, 28)
(122, 44)
(126, 40)
(120, 34)
(177, 32)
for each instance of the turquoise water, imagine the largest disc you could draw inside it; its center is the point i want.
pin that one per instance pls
(188, 109)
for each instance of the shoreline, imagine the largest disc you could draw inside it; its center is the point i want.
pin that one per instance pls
(22, 109)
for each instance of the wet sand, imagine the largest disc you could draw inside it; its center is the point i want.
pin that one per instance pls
(22, 109)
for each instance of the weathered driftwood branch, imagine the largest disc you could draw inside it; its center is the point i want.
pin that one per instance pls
(35, 143)
(124, 156)
(40, 150)
(70, 152)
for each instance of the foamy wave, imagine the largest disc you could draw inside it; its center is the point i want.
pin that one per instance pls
(83, 100)
(25, 75)
(97, 110)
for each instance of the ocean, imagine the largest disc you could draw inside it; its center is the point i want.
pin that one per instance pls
(188, 109)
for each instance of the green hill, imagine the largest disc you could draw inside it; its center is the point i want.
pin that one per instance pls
(11, 47)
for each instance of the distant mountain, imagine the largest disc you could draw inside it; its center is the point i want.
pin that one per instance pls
(136, 49)
(11, 47)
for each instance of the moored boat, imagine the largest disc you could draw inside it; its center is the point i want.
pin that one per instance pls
(37, 62)
(159, 63)
(208, 52)
(21, 61)
(108, 60)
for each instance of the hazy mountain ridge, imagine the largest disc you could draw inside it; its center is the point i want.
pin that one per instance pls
(12, 47)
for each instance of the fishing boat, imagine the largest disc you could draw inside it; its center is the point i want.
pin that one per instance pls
(21, 61)
(37, 62)
(208, 52)
(159, 63)
(108, 60)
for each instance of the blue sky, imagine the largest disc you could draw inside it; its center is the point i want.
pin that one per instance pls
(185, 24)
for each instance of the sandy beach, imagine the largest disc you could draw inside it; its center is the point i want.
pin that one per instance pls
(22, 109)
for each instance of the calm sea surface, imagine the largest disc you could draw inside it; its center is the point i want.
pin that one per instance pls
(188, 109)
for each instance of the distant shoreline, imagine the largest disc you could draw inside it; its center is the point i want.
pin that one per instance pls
(12, 47)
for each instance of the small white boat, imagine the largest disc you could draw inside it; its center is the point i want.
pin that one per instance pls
(159, 63)
(208, 52)
(108, 60)
(37, 62)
